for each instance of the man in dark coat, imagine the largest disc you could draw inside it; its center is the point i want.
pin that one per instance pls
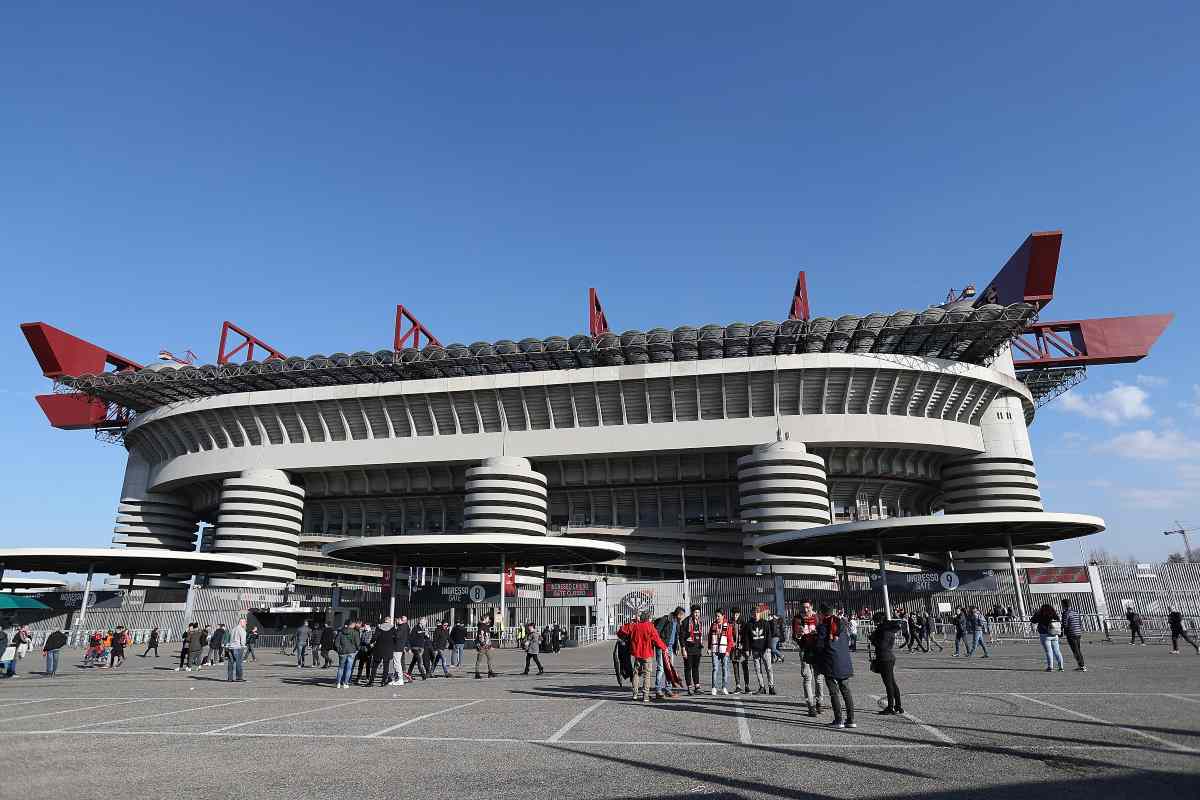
(831, 648)
(328, 643)
(383, 646)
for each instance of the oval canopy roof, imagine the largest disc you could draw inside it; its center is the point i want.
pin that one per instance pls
(929, 534)
(459, 550)
(39, 584)
(121, 561)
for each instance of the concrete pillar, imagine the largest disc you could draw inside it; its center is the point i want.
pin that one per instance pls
(260, 517)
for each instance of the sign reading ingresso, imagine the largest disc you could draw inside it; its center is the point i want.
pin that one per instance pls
(558, 590)
(934, 582)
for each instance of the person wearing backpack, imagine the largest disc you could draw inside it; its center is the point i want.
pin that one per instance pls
(1049, 628)
(1135, 627)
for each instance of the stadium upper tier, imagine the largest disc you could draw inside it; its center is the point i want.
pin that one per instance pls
(958, 333)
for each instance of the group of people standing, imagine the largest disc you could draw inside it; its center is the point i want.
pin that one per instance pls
(379, 651)
(201, 647)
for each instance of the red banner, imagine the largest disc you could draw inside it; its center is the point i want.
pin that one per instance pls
(1042, 575)
(510, 582)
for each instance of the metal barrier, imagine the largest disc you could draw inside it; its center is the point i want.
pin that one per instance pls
(587, 634)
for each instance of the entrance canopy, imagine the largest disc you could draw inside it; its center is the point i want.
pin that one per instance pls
(19, 582)
(462, 550)
(121, 561)
(929, 534)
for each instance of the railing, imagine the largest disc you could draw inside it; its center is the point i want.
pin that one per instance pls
(587, 634)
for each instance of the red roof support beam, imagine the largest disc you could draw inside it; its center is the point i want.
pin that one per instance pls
(1028, 276)
(415, 331)
(249, 342)
(59, 353)
(597, 322)
(1087, 342)
(799, 309)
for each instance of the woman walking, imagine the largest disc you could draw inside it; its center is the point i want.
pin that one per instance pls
(1049, 628)
(883, 639)
(832, 646)
(533, 641)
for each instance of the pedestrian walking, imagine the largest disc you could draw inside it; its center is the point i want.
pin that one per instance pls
(1135, 627)
(1072, 628)
(1175, 623)
(927, 633)
(832, 647)
(960, 631)
(346, 645)
(216, 645)
(120, 638)
(692, 633)
(556, 637)
(532, 641)
(184, 646)
(152, 644)
(251, 643)
(418, 646)
(441, 643)
(720, 644)
(314, 643)
(56, 641)
(364, 654)
(852, 627)
(401, 634)
(1049, 628)
(235, 649)
(883, 642)
(301, 643)
(756, 635)
(814, 689)
(976, 626)
(483, 646)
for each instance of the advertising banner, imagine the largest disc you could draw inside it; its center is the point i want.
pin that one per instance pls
(65, 600)
(934, 582)
(453, 594)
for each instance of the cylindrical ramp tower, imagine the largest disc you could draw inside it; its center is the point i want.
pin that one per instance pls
(783, 487)
(505, 495)
(260, 517)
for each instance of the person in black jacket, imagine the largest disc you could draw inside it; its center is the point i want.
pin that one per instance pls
(692, 633)
(832, 653)
(883, 639)
(364, 654)
(418, 644)
(441, 643)
(458, 642)
(383, 647)
(152, 644)
(327, 644)
(739, 656)
(1175, 622)
(54, 642)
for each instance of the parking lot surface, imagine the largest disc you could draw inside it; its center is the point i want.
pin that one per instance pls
(983, 728)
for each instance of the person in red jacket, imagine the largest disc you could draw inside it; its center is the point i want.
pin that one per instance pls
(643, 639)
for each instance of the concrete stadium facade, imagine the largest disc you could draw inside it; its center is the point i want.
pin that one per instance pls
(657, 457)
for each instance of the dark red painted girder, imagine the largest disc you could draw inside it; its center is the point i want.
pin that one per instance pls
(1029, 274)
(249, 342)
(597, 322)
(60, 353)
(415, 331)
(799, 309)
(1085, 342)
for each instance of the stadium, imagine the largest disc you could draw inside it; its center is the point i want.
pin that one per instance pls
(680, 445)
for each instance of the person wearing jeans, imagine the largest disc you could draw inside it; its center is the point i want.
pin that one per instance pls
(1175, 622)
(813, 686)
(1072, 628)
(54, 642)
(976, 626)
(1049, 627)
(458, 641)
(720, 642)
(668, 631)
(346, 644)
(236, 645)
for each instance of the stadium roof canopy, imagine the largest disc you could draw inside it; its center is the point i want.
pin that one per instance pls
(452, 551)
(929, 534)
(121, 561)
(959, 333)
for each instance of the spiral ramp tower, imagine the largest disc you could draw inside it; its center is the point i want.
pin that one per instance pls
(505, 495)
(260, 516)
(783, 487)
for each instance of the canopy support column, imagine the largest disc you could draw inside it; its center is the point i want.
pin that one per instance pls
(87, 590)
(887, 602)
(845, 587)
(392, 589)
(1012, 565)
(503, 617)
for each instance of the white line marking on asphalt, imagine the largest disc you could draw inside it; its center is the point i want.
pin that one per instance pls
(1166, 742)
(1182, 697)
(742, 722)
(931, 730)
(152, 716)
(407, 722)
(71, 710)
(282, 716)
(575, 720)
(27, 702)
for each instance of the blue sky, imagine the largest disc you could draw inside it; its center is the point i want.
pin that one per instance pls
(301, 168)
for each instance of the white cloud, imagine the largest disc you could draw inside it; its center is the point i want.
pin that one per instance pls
(1149, 445)
(1121, 403)
(1156, 499)
(1153, 381)
(1074, 439)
